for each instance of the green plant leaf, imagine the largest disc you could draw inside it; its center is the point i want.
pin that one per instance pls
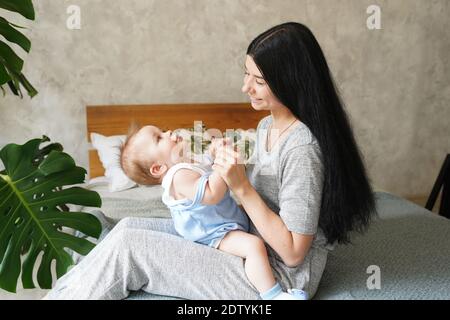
(10, 64)
(27, 85)
(9, 58)
(13, 35)
(4, 76)
(24, 7)
(16, 25)
(33, 187)
(12, 86)
(18, 78)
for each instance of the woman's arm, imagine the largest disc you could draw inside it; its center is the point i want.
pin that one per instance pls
(290, 246)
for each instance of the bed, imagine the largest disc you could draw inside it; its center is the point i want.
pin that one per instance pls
(404, 255)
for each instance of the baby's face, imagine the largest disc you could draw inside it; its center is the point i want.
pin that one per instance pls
(162, 147)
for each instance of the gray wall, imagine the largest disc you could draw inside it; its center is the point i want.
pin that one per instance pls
(395, 81)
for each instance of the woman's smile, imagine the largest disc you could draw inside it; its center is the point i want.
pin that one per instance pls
(255, 101)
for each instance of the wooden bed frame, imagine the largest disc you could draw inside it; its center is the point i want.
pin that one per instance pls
(116, 120)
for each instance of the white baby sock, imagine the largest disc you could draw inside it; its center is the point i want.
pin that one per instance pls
(276, 293)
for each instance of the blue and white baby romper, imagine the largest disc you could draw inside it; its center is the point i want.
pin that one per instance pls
(205, 224)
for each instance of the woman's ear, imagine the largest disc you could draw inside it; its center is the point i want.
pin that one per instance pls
(157, 170)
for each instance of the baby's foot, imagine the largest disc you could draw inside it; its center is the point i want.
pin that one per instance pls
(277, 293)
(284, 296)
(292, 294)
(298, 294)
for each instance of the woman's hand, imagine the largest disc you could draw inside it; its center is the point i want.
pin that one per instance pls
(230, 165)
(214, 145)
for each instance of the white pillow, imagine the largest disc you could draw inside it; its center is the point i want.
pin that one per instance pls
(108, 149)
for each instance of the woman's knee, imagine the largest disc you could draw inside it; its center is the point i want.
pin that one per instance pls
(129, 238)
(117, 237)
(124, 223)
(120, 242)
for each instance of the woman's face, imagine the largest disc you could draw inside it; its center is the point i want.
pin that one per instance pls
(255, 86)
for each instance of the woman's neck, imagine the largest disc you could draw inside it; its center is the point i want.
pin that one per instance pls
(281, 117)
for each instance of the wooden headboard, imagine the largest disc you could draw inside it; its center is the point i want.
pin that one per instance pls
(116, 120)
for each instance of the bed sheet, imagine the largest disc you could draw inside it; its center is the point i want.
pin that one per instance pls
(141, 201)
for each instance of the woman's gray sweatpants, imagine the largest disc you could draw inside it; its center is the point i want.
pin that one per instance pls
(148, 254)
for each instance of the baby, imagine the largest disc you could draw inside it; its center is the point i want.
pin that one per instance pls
(200, 203)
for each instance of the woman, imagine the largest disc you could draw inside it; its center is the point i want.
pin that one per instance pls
(306, 190)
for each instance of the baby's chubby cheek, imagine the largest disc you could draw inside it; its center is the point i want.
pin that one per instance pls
(181, 150)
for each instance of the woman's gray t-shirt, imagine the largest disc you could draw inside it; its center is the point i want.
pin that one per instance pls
(289, 179)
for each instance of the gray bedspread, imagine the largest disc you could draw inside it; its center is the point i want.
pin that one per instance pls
(409, 245)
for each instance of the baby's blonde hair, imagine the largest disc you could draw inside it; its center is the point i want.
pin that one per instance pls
(136, 168)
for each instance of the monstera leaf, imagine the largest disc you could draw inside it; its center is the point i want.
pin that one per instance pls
(11, 64)
(33, 194)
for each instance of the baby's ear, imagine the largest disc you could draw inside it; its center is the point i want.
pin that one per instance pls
(157, 170)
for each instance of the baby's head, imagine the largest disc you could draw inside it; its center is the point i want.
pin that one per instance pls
(148, 153)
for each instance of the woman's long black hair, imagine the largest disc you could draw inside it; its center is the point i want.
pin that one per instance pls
(294, 66)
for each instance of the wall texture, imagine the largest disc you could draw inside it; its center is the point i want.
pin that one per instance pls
(395, 81)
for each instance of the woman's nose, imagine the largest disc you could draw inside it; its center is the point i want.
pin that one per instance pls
(246, 87)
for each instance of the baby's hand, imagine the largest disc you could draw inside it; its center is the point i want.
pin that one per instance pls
(216, 143)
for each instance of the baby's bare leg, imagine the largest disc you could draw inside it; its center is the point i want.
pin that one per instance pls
(252, 249)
